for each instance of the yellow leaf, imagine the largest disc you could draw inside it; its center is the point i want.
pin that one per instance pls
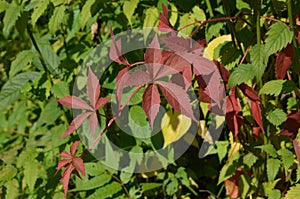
(174, 125)
(210, 49)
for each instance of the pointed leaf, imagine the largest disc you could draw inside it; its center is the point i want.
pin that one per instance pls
(203, 66)
(66, 178)
(11, 15)
(256, 113)
(39, 10)
(292, 124)
(101, 102)
(74, 102)
(283, 61)
(153, 55)
(93, 88)
(61, 164)
(151, 102)
(93, 123)
(233, 117)
(56, 19)
(164, 24)
(73, 148)
(277, 117)
(177, 98)
(65, 154)
(128, 9)
(258, 59)
(241, 74)
(115, 51)
(293, 193)
(249, 92)
(78, 164)
(273, 166)
(79, 119)
(279, 36)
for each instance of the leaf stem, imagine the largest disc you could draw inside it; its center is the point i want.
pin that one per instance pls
(210, 10)
(258, 34)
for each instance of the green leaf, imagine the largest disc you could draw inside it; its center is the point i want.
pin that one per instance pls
(229, 54)
(241, 74)
(184, 20)
(174, 14)
(293, 193)
(137, 114)
(222, 149)
(106, 191)
(151, 20)
(227, 171)
(22, 60)
(92, 183)
(275, 194)
(279, 36)
(39, 10)
(50, 109)
(244, 184)
(12, 88)
(273, 87)
(273, 166)
(213, 30)
(199, 13)
(11, 15)
(60, 89)
(3, 5)
(7, 173)
(241, 5)
(268, 148)
(287, 158)
(12, 189)
(85, 13)
(129, 8)
(250, 159)
(172, 186)
(51, 59)
(277, 117)
(56, 19)
(150, 185)
(31, 171)
(258, 60)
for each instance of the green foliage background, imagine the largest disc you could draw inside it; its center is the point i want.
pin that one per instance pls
(42, 45)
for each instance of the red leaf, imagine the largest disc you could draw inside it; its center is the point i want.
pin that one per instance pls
(74, 102)
(151, 102)
(164, 24)
(66, 178)
(292, 124)
(177, 44)
(283, 61)
(65, 154)
(61, 164)
(115, 52)
(223, 72)
(232, 188)
(93, 88)
(249, 92)
(102, 101)
(177, 98)
(93, 123)
(256, 113)
(152, 56)
(75, 124)
(203, 66)
(176, 62)
(203, 92)
(233, 117)
(120, 84)
(74, 147)
(136, 78)
(77, 162)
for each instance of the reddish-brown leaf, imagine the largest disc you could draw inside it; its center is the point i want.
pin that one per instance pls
(177, 98)
(249, 92)
(120, 84)
(66, 178)
(177, 62)
(74, 147)
(77, 162)
(164, 24)
(75, 124)
(93, 123)
(62, 163)
(292, 124)
(151, 102)
(115, 52)
(223, 72)
(74, 102)
(101, 102)
(256, 113)
(152, 56)
(283, 61)
(232, 188)
(93, 88)
(65, 154)
(203, 66)
(233, 117)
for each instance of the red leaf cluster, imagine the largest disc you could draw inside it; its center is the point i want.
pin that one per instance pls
(71, 163)
(93, 92)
